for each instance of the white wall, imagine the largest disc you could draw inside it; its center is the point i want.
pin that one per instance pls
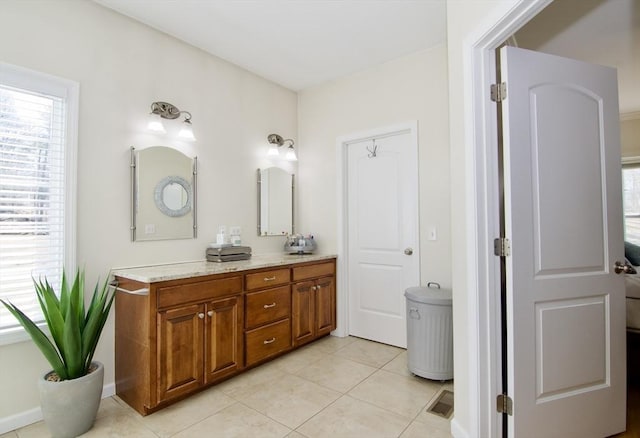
(464, 18)
(630, 135)
(413, 87)
(123, 66)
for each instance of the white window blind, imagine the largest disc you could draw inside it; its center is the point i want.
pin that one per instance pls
(33, 193)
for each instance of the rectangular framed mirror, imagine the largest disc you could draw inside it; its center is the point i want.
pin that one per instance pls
(163, 194)
(275, 202)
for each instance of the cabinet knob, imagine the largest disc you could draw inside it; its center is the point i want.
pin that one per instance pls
(268, 306)
(201, 315)
(313, 288)
(269, 341)
(269, 278)
(318, 287)
(210, 313)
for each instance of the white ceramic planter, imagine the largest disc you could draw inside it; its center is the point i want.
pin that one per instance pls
(69, 407)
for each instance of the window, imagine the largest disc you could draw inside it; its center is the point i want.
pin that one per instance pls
(38, 132)
(631, 202)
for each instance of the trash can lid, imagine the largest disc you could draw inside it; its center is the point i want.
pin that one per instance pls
(429, 295)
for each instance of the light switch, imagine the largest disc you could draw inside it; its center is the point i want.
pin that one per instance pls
(433, 235)
(150, 229)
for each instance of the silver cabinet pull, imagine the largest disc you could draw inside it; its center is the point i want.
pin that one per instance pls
(269, 341)
(269, 278)
(201, 315)
(268, 306)
(210, 313)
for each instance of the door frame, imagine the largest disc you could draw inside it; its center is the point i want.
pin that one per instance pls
(482, 215)
(342, 296)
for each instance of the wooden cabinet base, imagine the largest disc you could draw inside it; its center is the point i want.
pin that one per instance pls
(186, 335)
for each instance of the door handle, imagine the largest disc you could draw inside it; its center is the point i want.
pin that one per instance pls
(408, 251)
(619, 268)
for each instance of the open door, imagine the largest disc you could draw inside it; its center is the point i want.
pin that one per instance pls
(565, 320)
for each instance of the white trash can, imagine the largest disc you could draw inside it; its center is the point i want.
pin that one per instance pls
(430, 332)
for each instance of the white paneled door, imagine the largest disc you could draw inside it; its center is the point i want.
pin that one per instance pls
(383, 253)
(565, 303)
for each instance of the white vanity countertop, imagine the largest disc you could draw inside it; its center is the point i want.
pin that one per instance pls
(177, 271)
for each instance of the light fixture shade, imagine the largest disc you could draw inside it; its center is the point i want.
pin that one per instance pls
(154, 124)
(291, 154)
(273, 151)
(186, 131)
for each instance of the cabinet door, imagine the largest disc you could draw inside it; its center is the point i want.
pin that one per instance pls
(223, 352)
(180, 335)
(303, 315)
(325, 306)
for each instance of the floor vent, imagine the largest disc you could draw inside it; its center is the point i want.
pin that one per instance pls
(443, 405)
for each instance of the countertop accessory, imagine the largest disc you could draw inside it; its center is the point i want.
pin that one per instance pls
(299, 244)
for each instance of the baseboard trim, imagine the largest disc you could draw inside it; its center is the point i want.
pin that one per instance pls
(457, 431)
(108, 390)
(21, 419)
(25, 418)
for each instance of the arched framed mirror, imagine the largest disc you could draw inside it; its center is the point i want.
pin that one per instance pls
(163, 194)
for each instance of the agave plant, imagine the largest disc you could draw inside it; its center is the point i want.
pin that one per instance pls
(75, 333)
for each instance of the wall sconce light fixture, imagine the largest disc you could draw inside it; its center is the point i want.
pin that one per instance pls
(164, 110)
(276, 141)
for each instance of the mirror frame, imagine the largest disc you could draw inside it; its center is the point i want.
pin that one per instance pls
(293, 215)
(158, 196)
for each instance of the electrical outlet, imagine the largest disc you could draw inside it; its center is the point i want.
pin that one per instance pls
(234, 230)
(150, 229)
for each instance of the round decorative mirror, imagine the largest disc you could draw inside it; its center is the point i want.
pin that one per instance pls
(172, 196)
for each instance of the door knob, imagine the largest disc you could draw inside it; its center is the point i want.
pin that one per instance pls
(408, 251)
(619, 268)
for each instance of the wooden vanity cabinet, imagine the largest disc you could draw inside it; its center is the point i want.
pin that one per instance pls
(183, 335)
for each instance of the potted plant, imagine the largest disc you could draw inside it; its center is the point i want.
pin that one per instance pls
(70, 394)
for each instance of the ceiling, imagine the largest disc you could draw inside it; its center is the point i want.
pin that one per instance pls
(302, 43)
(297, 43)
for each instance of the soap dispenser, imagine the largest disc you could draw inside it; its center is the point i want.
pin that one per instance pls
(221, 236)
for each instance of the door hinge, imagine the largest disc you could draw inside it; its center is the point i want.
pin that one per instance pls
(504, 404)
(501, 247)
(498, 92)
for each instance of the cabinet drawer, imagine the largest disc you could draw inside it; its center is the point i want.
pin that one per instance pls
(267, 341)
(313, 271)
(200, 291)
(267, 306)
(264, 279)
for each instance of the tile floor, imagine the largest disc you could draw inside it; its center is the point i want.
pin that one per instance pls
(335, 387)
